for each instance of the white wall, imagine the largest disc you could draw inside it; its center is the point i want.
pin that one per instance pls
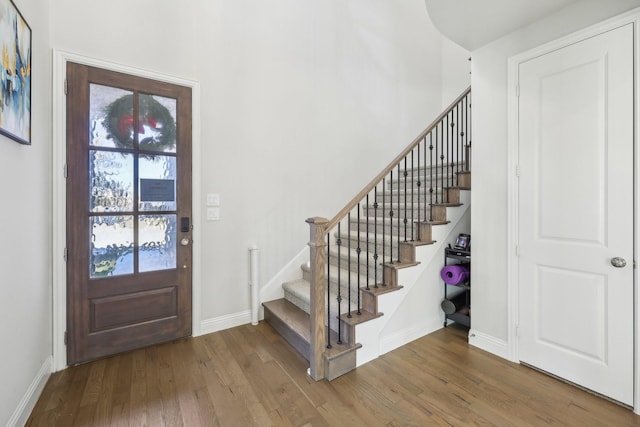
(312, 99)
(456, 71)
(25, 242)
(302, 104)
(156, 35)
(305, 103)
(489, 195)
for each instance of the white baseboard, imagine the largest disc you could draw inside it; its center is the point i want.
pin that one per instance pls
(30, 398)
(225, 322)
(406, 335)
(489, 343)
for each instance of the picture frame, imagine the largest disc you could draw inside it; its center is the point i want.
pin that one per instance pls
(15, 74)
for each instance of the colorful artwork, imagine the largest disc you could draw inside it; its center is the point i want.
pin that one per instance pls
(15, 74)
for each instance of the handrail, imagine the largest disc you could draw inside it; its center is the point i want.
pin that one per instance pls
(352, 204)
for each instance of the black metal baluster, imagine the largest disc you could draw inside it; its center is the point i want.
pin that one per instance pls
(384, 225)
(406, 174)
(367, 241)
(470, 133)
(450, 178)
(436, 172)
(444, 153)
(459, 144)
(443, 134)
(412, 200)
(466, 134)
(349, 264)
(339, 297)
(358, 250)
(390, 223)
(405, 213)
(375, 233)
(328, 291)
(419, 183)
(430, 175)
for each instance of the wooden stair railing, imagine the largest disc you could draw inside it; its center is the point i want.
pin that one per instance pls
(442, 153)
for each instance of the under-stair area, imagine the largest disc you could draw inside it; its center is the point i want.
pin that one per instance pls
(365, 260)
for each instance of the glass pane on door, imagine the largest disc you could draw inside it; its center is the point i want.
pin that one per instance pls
(157, 242)
(110, 181)
(111, 245)
(157, 123)
(157, 183)
(110, 117)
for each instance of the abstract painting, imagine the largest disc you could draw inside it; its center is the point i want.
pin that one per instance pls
(15, 74)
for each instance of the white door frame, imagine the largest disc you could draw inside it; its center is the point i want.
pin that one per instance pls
(59, 153)
(633, 17)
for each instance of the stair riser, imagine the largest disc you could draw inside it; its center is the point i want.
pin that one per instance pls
(388, 229)
(457, 164)
(367, 262)
(347, 334)
(298, 342)
(376, 225)
(344, 263)
(301, 303)
(344, 287)
(421, 190)
(401, 212)
(430, 168)
(301, 298)
(412, 216)
(390, 242)
(464, 180)
(439, 180)
(353, 240)
(418, 196)
(379, 249)
(451, 195)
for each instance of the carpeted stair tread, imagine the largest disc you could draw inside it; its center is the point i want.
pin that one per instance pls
(389, 238)
(395, 206)
(380, 222)
(298, 293)
(344, 279)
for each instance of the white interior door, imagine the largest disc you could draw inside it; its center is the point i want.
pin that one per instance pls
(576, 134)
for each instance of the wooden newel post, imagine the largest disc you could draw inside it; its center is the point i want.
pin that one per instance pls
(317, 306)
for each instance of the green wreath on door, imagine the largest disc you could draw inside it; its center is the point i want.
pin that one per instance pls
(154, 118)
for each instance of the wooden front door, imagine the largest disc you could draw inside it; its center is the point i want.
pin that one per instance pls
(128, 208)
(576, 148)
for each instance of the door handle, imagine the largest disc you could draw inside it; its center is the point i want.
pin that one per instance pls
(184, 241)
(618, 262)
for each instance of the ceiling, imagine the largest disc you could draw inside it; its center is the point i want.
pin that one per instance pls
(474, 23)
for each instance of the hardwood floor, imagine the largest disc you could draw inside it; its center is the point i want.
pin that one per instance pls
(249, 376)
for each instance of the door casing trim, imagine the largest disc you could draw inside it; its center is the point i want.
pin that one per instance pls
(59, 231)
(630, 17)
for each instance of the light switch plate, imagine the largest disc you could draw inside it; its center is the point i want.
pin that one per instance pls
(213, 214)
(213, 199)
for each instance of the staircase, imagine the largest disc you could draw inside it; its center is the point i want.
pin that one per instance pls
(359, 258)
